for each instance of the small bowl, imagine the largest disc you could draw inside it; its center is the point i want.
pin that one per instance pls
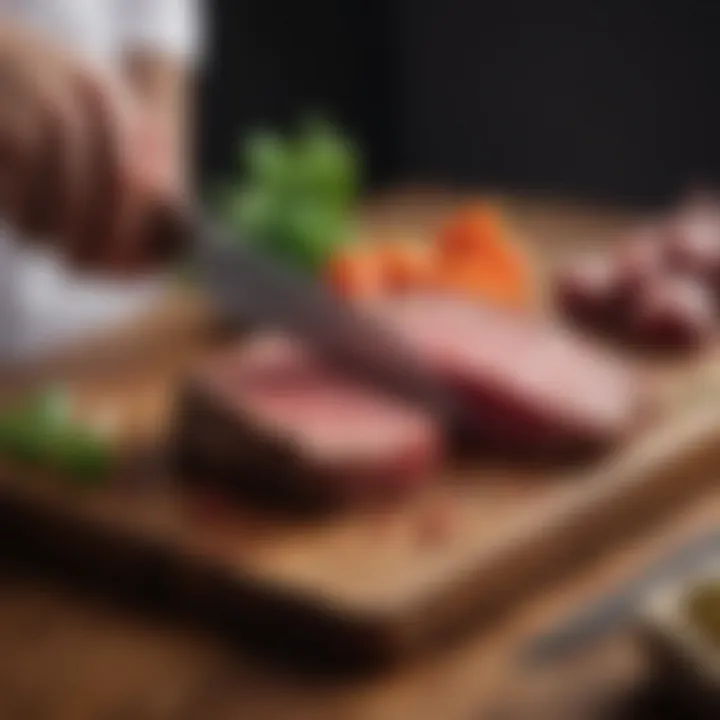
(684, 648)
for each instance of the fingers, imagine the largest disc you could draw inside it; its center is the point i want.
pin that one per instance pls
(42, 138)
(103, 209)
(24, 132)
(20, 137)
(131, 170)
(78, 163)
(55, 184)
(151, 180)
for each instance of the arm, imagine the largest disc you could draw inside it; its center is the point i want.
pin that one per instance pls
(164, 85)
(80, 163)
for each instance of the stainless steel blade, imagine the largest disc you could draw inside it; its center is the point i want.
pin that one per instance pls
(619, 607)
(249, 286)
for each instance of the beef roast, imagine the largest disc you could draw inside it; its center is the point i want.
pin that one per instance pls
(531, 386)
(269, 416)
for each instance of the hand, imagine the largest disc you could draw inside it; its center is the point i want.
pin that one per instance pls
(81, 164)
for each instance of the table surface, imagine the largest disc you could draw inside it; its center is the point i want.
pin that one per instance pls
(68, 656)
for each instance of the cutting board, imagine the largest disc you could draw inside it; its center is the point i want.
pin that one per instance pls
(357, 589)
(368, 587)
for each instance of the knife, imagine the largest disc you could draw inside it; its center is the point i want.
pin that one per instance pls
(619, 607)
(247, 285)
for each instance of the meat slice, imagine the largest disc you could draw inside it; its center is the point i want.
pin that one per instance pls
(531, 386)
(269, 416)
(674, 313)
(588, 291)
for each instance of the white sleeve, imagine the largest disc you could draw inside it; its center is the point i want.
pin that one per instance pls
(175, 27)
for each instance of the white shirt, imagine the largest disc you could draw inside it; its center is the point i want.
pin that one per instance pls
(41, 302)
(104, 28)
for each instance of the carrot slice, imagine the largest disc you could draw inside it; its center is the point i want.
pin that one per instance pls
(473, 257)
(407, 264)
(478, 259)
(471, 230)
(481, 282)
(356, 273)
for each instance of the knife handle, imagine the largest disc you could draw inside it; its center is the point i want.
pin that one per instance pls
(170, 234)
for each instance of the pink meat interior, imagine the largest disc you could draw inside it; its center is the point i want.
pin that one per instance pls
(529, 385)
(338, 423)
(521, 375)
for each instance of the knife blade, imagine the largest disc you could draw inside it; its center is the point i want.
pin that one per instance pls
(249, 286)
(620, 606)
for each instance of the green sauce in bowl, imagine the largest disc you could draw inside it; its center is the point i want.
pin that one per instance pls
(703, 610)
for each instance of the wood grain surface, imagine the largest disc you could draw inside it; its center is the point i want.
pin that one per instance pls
(371, 586)
(69, 657)
(115, 665)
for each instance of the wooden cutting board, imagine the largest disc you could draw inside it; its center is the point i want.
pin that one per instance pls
(364, 588)
(370, 587)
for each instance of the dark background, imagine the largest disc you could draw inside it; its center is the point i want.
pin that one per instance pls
(607, 99)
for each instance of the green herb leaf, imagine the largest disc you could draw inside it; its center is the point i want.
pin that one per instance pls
(53, 407)
(311, 230)
(267, 160)
(83, 456)
(42, 433)
(19, 438)
(298, 196)
(328, 165)
(254, 212)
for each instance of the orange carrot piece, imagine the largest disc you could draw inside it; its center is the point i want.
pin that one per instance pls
(407, 264)
(478, 259)
(472, 229)
(356, 273)
(474, 278)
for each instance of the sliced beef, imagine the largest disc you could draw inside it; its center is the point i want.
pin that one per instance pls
(267, 416)
(588, 291)
(674, 313)
(660, 288)
(531, 386)
(693, 244)
(640, 259)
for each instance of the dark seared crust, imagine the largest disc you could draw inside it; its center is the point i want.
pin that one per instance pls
(533, 421)
(218, 444)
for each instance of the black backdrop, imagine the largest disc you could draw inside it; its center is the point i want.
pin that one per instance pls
(601, 98)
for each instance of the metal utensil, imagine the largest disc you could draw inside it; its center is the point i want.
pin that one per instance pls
(619, 607)
(248, 286)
